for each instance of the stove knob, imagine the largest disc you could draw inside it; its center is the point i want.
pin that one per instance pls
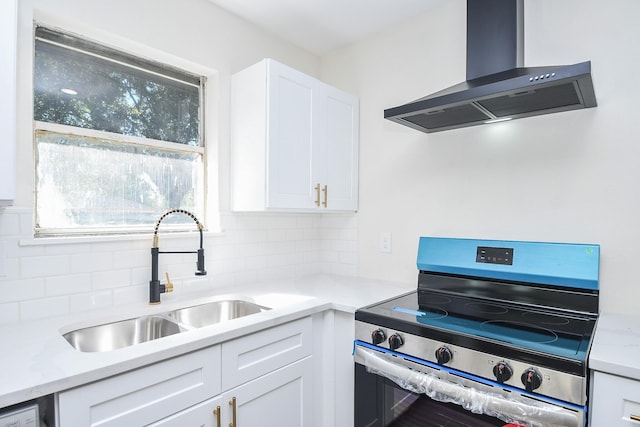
(531, 379)
(378, 336)
(395, 341)
(443, 355)
(502, 371)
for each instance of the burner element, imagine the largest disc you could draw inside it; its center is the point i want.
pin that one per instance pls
(432, 313)
(545, 319)
(518, 332)
(484, 308)
(435, 299)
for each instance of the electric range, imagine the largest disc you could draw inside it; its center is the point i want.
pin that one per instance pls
(512, 320)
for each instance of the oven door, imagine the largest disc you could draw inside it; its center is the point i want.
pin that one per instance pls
(380, 402)
(395, 390)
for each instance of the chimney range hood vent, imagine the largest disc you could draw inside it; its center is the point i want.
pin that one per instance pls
(497, 86)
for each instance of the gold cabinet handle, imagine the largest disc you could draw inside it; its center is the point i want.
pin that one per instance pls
(216, 412)
(317, 188)
(232, 402)
(634, 417)
(325, 190)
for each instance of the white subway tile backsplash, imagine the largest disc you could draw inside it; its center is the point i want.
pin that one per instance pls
(88, 262)
(52, 278)
(9, 313)
(348, 258)
(3, 259)
(234, 265)
(9, 225)
(20, 290)
(66, 285)
(141, 275)
(131, 295)
(90, 301)
(195, 285)
(130, 259)
(41, 266)
(111, 279)
(43, 308)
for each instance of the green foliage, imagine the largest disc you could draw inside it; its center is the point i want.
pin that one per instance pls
(112, 97)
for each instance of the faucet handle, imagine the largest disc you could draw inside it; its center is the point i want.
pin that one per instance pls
(168, 287)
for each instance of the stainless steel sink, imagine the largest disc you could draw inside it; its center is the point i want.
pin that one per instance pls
(198, 316)
(121, 334)
(129, 332)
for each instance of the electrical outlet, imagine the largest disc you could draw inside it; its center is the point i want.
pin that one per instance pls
(385, 242)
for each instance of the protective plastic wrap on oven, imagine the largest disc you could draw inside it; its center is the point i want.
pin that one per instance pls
(517, 409)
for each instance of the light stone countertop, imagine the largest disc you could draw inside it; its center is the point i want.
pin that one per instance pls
(36, 360)
(616, 345)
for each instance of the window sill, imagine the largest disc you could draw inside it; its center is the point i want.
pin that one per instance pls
(37, 241)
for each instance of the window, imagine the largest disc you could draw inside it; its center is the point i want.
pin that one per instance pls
(118, 139)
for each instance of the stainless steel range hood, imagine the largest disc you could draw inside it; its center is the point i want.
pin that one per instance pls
(497, 86)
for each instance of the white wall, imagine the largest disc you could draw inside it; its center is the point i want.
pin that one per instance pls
(40, 280)
(568, 177)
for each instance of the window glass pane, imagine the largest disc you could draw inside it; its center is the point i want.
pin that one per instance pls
(79, 89)
(93, 183)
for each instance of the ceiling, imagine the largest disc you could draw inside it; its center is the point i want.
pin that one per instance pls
(320, 26)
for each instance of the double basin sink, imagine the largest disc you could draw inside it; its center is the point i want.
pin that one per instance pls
(124, 333)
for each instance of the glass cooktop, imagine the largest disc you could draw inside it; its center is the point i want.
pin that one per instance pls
(552, 332)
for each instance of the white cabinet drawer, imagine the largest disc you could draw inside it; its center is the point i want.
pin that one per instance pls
(615, 401)
(249, 357)
(144, 395)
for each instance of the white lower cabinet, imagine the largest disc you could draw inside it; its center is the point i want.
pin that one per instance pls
(282, 398)
(615, 401)
(144, 395)
(263, 378)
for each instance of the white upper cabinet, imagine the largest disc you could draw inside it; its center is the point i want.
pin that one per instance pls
(8, 31)
(294, 142)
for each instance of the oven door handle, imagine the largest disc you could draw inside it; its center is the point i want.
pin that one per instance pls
(475, 400)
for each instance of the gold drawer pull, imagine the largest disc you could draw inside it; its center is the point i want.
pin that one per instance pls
(317, 188)
(216, 412)
(634, 417)
(232, 402)
(326, 193)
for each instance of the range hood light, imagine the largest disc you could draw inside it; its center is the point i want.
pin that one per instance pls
(501, 119)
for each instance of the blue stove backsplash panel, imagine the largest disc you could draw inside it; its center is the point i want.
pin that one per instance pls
(558, 264)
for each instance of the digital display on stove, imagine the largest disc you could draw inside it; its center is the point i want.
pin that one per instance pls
(489, 255)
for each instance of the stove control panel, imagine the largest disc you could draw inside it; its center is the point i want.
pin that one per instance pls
(489, 255)
(545, 381)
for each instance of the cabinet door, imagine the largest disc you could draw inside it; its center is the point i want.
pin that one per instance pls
(282, 398)
(205, 414)
(292, 103)
(615, 401)
(252, 356)
(341, 115)
(8, 29)
(144, 395)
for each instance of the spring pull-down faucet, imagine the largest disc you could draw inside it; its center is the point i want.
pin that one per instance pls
(155, 287)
